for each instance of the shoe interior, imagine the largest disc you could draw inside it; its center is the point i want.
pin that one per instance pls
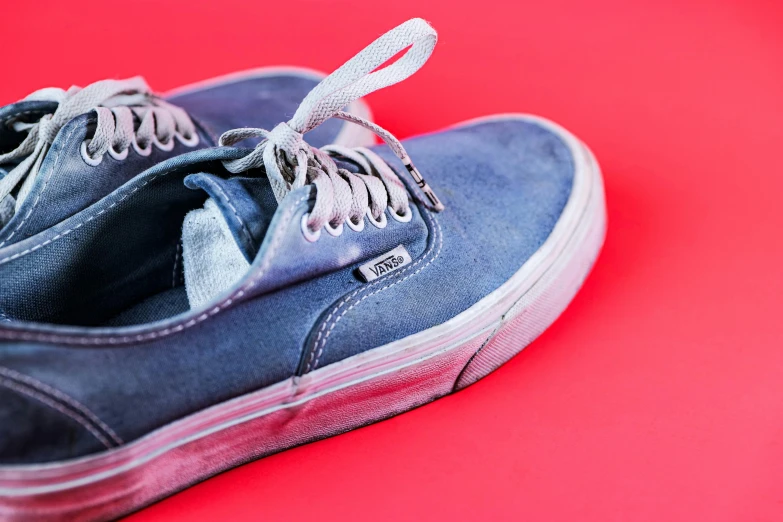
(21, 112)
(116, 263)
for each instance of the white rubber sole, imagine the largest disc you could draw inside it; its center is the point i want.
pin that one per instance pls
(349, 136)
(357, 391)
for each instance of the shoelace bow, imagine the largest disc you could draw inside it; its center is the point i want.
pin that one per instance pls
(290, 162)
(117, 103)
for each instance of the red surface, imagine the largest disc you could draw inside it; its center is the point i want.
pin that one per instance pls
(658, 395)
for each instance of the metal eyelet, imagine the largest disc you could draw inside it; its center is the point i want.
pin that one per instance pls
(165, 147)
(146, 151)
(404, 218)
(119, 156)
(380, 223)
(356, 227)
(188, 142)
(334, 231)
(311, 236)
(89, 160)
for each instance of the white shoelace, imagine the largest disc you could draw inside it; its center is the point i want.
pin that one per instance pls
(291, 163)
(116, 102)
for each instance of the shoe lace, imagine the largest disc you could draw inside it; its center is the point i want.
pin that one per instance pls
(290, 162)
(117, 104)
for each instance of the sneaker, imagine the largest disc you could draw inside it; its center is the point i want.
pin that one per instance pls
(61, 151)
(282, 294)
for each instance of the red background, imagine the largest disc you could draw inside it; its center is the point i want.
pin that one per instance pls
(658, 395)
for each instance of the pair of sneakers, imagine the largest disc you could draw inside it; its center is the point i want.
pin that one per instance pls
(174, 304)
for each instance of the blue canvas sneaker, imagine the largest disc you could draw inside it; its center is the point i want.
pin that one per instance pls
(230, 303)
(61, 151)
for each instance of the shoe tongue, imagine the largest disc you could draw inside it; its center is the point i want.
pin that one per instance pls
(28, 111)
(6, 207)
(245, 204)
(23, 111)
(221, 240)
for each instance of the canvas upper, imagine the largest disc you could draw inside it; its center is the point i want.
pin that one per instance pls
(102, 343)
(65, 182)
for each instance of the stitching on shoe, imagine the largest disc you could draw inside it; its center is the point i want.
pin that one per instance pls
(126, 339)
(37, 394)
(54, 393)
(13, 117)
(43, 189)
(323, 333)
(232, 207)
(80, 225)
(23, 390)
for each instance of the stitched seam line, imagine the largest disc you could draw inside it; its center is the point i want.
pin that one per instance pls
(323, 333)
(57, 394)
(43, 189)
(24, 390)
(217, 187)
(94, 216)
(13, 117)
(125, 339)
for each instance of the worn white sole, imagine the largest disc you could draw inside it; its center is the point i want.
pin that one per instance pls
(357, 391)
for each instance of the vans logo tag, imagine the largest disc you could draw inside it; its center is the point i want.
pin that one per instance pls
(383, 264)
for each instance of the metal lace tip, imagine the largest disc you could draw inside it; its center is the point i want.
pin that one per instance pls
(435, 203)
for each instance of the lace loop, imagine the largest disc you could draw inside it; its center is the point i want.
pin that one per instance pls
(360, 75)
(116, 103)
(342, 195)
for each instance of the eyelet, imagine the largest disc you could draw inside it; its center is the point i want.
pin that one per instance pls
(165, 147)
(334, 231)
(188, 142)
(119, 156)
(356, 227)
(309, 234)
(401, 218)
(380, 223)
(146, 151)
(89, 160)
